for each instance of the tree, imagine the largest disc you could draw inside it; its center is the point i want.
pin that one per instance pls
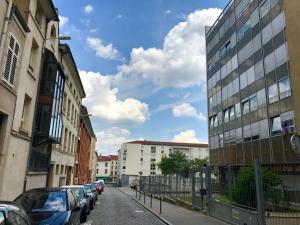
(175, 163)
(244, 190)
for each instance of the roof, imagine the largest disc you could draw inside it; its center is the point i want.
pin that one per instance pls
(107, 158)
(68, 51)
(164, 143)
(87, 120)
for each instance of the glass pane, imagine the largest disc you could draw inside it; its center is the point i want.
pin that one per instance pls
(278, 23)
(276, 125)
(284, 88)
(251, 75)
(238, 110)
(43, 201)
(267, 33)
(263, 128)
(261, 97)
(287, 120)
(280, 55)
(270, 63)
(264, 8)
(246, 107)
(243, 80)
(226, 116)
(273, 93)
(253, 103)
(232, 114)
(259, 69)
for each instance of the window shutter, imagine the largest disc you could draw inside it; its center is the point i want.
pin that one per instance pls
(11, 61)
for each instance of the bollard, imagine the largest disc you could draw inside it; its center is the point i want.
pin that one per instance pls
(151, 201)
(144, 198)
(159, 204)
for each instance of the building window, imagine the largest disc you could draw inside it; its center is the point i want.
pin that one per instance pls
(106, 164)
(57, 169)
(33, 60)
(264, 8)
(238, 110)
(231, 113)
(226, 116)
(287, 120)
(276, 125)
(141, 159)
(61, 169)
(246, 107)
(253, 103)
(11, 61)
(284, 88)
(215, 121)
(153, 149)
(105, 171)
(152, 160)
(273, 93)
(97, 171)
(124, 167)
(26, 113)
(261, 97)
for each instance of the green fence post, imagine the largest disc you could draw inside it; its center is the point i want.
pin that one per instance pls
(259, 193)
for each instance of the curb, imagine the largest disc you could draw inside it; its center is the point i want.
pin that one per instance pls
(145, 207)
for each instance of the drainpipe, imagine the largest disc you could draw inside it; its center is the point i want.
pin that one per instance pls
(5, 27)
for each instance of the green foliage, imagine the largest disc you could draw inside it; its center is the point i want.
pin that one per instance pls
(244, 190)
(177, 163)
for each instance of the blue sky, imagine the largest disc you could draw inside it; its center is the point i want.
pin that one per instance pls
(142, 63)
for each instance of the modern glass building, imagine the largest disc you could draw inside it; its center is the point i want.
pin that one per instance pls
(253, 76)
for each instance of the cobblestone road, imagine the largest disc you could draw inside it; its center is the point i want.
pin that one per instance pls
(115, 208)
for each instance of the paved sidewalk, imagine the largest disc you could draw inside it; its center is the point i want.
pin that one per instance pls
(173, 214)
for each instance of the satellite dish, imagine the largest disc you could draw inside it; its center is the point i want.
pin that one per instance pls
(295, 142)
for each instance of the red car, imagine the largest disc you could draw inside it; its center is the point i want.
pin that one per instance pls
(99, 187)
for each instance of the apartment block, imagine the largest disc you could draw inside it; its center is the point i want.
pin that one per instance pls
(85, 148)
(252, 78)
(107, 168)
(30, 25)
(62, 164)
(141, 157)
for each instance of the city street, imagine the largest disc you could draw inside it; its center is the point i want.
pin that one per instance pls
(116, 208)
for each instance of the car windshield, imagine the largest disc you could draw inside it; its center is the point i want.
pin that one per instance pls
(53, 201)
(1, 217)
(78, 192)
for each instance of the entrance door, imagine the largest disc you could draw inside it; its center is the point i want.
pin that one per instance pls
(3, 122)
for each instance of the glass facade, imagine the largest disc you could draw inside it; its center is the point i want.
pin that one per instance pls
(48, 123)
(248, 82)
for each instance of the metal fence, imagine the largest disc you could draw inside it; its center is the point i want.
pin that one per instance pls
(252, 195)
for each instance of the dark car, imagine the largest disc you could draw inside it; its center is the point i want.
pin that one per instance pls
(10, 213)
(83, 199)
(90, 196)
(45, 206)
(93, 188)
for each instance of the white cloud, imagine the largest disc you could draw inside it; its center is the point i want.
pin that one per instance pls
(88, 9)
(63, 20)
(119, 16)
(168, 11)
(110, 140)
(187, 110)
(187, 136)
(102, 101)
(107, 51)
(181, 61)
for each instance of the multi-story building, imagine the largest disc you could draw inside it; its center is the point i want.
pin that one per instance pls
(30, 25)
(86, 147)
(252, 83)
(140, 157)
(107, 168)
(63, 154)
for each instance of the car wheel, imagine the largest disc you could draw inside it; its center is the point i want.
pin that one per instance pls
(83, 217)
(92, 205)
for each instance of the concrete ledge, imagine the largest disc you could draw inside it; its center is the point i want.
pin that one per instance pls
(145, 207)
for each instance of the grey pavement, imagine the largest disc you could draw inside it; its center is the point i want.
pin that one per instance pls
(173, 214)
(115, 208)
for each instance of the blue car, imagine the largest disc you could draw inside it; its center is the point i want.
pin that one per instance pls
(81, 194)
(46, 206)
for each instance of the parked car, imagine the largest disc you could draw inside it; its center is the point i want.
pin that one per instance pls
(57, 206)
(99, 187)
(91, 196)
(81, 194)
(10, 213)
(93, 188)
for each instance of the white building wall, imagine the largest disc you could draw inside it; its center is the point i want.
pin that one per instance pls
(136, 159)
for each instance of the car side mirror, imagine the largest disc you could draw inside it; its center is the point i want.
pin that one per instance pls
(76, 208)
